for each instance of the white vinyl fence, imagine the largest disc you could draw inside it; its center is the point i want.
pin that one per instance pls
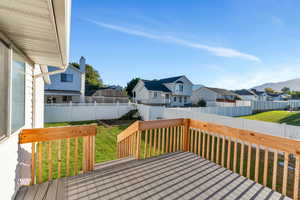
(85, 111)
(268, 105)
(282, 130)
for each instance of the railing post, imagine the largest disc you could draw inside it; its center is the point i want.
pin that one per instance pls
(186, 136)
(138, 142)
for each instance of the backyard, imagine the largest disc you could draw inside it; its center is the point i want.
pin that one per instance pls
(291, 118)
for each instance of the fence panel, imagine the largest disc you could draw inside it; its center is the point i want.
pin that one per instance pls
(83, 112)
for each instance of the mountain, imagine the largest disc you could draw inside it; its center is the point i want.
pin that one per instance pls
(293, 84)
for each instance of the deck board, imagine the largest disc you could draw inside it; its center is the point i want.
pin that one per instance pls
(179, 175)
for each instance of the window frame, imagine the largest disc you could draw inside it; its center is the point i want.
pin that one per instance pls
(64, 78)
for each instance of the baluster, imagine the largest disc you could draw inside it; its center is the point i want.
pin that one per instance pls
(218, 149)
(203, 144)
(163, 140)
(138, 145)
(213, 148)
(208, 146)
(285, 172)
(223, 152)
(155, 141)
(192, 140)
(174, 138)
(49, 160)
(167, 139)
(229, 153)
(195, 141)
(68, 157)
(274, 180)
(32, 163)
(40, 162)
(150, 143)
(242, 158)
(59, 158)
(178, 137)
(257, 162)
(146, 143)
(235, 155)
(249, 160)
(159, 141)
(199, 142)
(171, 139)
(296, 181)
(266, 167)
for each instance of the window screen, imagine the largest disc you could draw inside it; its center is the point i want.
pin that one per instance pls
(18, 95)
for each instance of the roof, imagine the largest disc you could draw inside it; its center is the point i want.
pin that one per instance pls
(257, 92)
(170, 80)
(155, 85)
(222, 91)
(37, 29)
(158, 85)
(243, 92)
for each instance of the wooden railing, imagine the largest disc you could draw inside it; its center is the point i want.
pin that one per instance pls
(55, 149)
(269, 160)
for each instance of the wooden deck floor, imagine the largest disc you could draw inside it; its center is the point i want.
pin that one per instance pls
(179, 175)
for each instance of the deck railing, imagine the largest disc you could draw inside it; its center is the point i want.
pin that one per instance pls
(269, 160)
(55, 149)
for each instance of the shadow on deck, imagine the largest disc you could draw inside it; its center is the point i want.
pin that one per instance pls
(179, 175)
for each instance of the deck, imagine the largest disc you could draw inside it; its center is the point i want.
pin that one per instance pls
(179, 175)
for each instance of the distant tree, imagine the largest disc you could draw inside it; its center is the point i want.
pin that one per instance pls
(201, 103)
(286, 90)
(75, 64)
(130, 85)
(295, 94)
(269, 90)
(92, 78)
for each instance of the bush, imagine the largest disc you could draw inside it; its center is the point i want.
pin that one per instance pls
(201, 103)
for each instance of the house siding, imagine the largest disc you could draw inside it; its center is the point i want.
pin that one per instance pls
(16, 171)
(205, 94)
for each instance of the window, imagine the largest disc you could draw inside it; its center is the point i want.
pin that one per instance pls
(66, 77)
(179, 87)
(167, 96)
(185, 99)
(3, 88)
(67, 99)
(180, 99)
(18, 95)
(155, 95)
(174, 99)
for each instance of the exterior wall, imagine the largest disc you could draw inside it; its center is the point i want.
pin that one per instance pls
(205, 94)
(187, 87)
(59, 98)
(16, 170)
(56, 83)
(142, 94)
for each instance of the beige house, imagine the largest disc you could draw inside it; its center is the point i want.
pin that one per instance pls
(109, 94)
(33, 34)
(210, 94)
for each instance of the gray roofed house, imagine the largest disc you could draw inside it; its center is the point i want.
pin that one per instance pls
(210, 94)
(172, 91)
(245, 94)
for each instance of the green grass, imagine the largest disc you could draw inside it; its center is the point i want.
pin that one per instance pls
(287, 117)
(105, 147)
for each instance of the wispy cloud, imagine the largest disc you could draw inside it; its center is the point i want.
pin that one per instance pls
(218, 51)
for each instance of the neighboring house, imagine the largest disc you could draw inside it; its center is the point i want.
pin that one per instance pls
(173, 91)
(247, 95)
(33, 35)
(68, 86)
(260, 95)
(210, 94)
(111, 94)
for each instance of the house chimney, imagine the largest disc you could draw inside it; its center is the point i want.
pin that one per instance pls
(82, 64)
(82, 85)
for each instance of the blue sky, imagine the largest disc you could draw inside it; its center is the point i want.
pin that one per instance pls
(230, 44)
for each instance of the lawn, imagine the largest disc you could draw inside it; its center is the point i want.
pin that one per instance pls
(105, 146)
(291, 118)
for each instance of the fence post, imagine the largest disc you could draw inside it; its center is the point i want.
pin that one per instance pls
(186, 136)
(138, 142)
